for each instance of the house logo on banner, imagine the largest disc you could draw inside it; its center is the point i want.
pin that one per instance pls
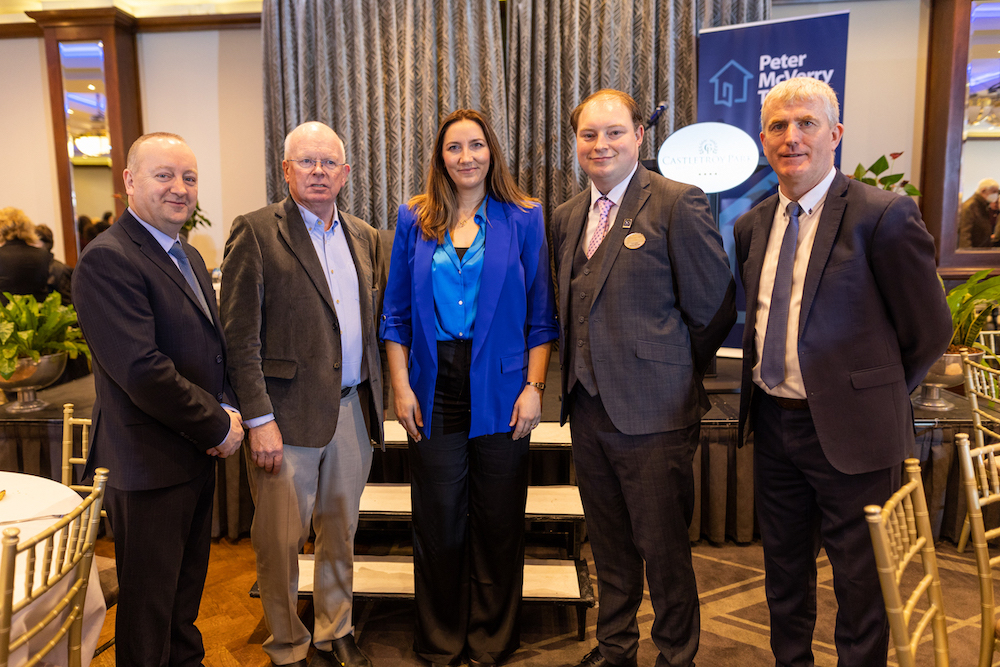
(728, 80)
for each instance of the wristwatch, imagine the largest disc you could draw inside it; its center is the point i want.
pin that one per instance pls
(540, 386)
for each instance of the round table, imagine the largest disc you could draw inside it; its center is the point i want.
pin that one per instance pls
(30, 496)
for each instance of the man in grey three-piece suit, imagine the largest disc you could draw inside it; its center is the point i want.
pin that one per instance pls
(302, 287)
(845, 315)
(645, 299)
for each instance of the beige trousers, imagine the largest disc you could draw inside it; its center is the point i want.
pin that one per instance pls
(324, 485)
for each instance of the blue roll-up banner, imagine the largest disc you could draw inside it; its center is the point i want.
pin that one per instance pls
(737, 66)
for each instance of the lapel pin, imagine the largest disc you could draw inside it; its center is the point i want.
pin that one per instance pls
(627, 223)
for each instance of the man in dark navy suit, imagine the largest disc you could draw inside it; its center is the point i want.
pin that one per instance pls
(163, 410)
(845, 315)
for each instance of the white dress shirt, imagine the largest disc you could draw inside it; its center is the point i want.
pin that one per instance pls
(812, 207)
(594, 215)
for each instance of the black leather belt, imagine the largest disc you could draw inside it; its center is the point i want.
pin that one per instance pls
(790, 403)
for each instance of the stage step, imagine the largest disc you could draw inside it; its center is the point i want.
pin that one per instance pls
(546, 581)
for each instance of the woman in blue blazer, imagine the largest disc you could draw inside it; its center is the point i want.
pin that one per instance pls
(468, 322)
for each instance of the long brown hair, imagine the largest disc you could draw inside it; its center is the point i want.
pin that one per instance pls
(437, 207)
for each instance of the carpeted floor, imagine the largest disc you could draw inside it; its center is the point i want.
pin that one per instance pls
(733, 613)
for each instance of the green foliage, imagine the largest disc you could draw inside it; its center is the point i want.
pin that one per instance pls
(971, 304)
(197, 219)
(32, 329)
(893, 182)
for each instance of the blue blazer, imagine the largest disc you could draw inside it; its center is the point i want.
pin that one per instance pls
(516, 311)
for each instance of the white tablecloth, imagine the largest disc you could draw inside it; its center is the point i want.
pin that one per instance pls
(30, 496)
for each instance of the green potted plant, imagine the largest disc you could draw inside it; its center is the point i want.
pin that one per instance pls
(35, 339)
(890, 181)
(971, 305)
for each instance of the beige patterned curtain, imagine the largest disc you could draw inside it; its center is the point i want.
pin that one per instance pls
(560, 52)
(382, 73)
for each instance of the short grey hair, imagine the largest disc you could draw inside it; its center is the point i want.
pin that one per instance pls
(288, 137)
(802, 89)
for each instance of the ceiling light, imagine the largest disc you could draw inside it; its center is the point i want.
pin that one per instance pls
(93, 145)
(91, 86)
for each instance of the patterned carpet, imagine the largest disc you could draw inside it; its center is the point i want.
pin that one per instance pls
(734, 617)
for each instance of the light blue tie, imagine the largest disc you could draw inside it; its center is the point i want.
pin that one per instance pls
(772, 365)
(177, 252)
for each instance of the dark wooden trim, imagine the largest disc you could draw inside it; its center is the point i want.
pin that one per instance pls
(106, 15)
(19, 30)
(948, 57)
(76, 18)
(199, 22)
(121, 76)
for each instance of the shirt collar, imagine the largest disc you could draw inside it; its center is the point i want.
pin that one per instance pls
(312, 220)
(810, 200)
(616, 193)
(165, 241)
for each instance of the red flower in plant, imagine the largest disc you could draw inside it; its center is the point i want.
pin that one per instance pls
(895, 156)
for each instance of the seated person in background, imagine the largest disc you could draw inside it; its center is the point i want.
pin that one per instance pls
(24, 267)
(60, 275)
(975, 223)
(91, 232)
(83, 223)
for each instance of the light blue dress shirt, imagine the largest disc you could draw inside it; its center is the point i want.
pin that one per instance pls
(456, 284)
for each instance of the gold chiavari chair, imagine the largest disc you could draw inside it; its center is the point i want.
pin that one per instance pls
(901, 535)
(67, 549)
(981, 481)
(982, 385)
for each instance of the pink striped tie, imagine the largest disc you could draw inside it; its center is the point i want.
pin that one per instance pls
(605, 205)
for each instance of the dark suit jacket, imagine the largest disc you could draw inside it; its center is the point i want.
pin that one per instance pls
(872, 322)
(24, 269)
(662, 309)
(515, 311)
(282, 326)
(159, 362)
(975, 222)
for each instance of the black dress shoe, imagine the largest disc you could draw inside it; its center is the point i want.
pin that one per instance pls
(344, 653)
(595, 659)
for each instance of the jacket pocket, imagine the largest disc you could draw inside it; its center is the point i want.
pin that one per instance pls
(667, 354)
(514, 362)
(878, 376)
(283, 369)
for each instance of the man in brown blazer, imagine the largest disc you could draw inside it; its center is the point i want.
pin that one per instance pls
(302, 289)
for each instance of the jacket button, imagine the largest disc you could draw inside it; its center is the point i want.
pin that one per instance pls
(579, 343)
(218, 359)
(336, 364)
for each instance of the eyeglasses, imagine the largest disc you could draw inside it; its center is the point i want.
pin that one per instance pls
(308, 164)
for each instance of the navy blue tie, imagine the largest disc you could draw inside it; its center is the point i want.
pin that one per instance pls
(772, 365)
(177, 252)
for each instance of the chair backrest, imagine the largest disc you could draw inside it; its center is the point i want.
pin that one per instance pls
(70, 425)
(901, 535)
(990, 340)
(67, 551)
(981, 480)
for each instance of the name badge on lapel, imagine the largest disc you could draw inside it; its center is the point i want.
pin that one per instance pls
(635, 240)
(627, 223)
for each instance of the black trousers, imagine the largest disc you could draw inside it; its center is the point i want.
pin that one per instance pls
(468, 498)
(638, 498)
(803, 502)
(162, 543)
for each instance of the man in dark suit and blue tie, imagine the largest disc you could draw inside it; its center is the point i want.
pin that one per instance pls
(645, 299)
(163, 408)
(845, 315)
